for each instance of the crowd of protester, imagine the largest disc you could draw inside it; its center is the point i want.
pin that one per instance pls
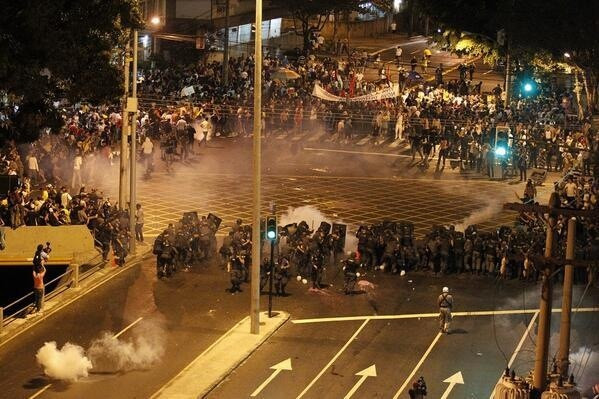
(451, 119)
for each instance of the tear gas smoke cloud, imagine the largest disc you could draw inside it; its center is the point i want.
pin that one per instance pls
(68, 363)
(314, 217)
(109, 354)
(106, 354)
(491, 209)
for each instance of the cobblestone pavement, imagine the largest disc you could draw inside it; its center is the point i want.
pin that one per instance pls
(351, 200)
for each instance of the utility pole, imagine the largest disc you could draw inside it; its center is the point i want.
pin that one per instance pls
(226, 53)
(566, 315)
(132, 107)
(544, 328)
(257, 175)
(124, 130)
(549, 264)
(508, 73)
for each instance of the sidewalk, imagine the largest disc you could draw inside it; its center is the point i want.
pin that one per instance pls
(54, 303)
(216, 362)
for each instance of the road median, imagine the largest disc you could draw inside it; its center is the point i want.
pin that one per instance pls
(215, 363)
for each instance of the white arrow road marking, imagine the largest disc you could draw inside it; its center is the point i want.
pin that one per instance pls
(367, 372)
(284, 365)
(453, 380)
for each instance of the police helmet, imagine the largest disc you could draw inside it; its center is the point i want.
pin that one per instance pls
(445, 290)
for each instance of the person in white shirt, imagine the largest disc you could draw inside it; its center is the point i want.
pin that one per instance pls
(77, 163)
(34, 169)
(205, 130)
(398, 53)
(147, 149)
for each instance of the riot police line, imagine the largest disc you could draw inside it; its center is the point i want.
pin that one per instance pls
(186, 243)
(318, 255)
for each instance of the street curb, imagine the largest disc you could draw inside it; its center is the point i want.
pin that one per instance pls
(9, 336)
(170, 390)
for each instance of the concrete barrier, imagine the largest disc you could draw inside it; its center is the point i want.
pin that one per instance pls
(68, 242)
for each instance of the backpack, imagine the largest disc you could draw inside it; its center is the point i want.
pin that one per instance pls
(158, 246)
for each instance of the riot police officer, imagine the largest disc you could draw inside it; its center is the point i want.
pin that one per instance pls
(281, 275)
(445, 302)
(350, 273)
(236, 273)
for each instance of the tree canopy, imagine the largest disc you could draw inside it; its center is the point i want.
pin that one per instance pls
(553, 27)
(59, 49)
(306, 12)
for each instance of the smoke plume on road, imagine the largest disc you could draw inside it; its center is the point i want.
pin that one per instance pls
(314, 217)
(107, 354)
(68, 363)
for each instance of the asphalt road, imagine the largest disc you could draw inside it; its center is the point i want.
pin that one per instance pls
(326, 356)
(193, 309)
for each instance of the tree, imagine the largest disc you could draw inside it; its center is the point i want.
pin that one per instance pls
(313, 14)
(59, 49)
(533, 27)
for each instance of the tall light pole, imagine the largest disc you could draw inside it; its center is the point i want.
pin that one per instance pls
(226, 52)
(132, 156)
(257, 173)
(124, 131)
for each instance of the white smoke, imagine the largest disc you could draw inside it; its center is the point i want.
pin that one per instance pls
(110, 354)
(107, 354)
(493, 208)
(584, 366)
(308, 213)
(68, 363)
(314, 217)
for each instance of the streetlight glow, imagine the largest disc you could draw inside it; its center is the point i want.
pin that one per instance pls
(155, 20)
(567, 55)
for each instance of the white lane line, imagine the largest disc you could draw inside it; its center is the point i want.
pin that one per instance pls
(431, 315)
(38, 393)
(41, 391)
(364, 141)
(422, 359)
(225, 335)
(126, 328)
(518, 347)
(325, 368)
(399, 44)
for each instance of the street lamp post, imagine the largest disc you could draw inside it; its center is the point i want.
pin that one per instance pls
(124, 131)
(257, 171)
(132, 155)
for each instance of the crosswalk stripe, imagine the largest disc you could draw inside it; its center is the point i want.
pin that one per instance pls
(363, 140)
(316, 137)
(297, 138)
(395, 144)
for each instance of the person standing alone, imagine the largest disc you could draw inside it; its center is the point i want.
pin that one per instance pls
(445, 302)
(39, 271)
(139, 223)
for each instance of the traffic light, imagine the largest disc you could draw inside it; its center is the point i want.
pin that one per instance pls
(271, 228)
(528, 87)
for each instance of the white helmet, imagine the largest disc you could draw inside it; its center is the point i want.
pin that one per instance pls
(445, 290)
